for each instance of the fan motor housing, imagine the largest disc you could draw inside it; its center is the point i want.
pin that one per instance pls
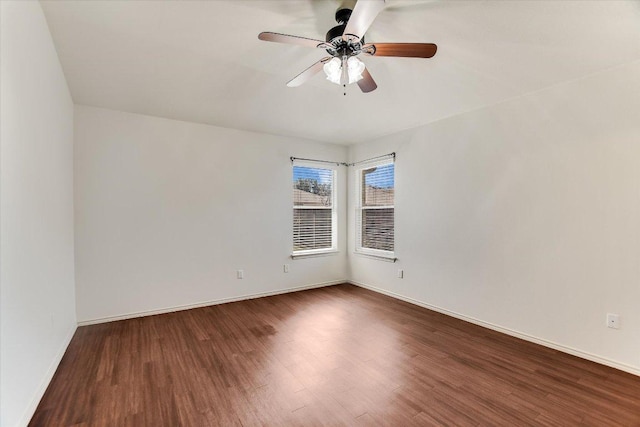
(335, 32)
(343, 14)
(342, 17)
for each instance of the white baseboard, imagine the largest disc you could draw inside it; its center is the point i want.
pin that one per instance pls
(565, 349)
(207, 303)
(35, 400)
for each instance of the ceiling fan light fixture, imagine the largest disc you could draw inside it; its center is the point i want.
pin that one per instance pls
(333, 70)
(355, 68)
(345, 41)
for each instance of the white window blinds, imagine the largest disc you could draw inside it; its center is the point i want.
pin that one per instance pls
(375, 211)
(314, 215)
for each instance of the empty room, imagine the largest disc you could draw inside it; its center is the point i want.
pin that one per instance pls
(319, 213)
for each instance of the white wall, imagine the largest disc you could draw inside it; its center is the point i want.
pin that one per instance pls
(36, 211)
(167, 211)
(525, 216)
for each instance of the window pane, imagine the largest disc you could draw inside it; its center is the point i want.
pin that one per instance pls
(378, 229)
(378, 186)
(313, 216)
(375, 216)
(311, 229)
(312, 186)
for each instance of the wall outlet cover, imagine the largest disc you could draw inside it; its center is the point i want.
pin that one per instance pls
(613, 321)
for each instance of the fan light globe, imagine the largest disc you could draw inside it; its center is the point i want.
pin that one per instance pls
(355, 67)
(333, 70)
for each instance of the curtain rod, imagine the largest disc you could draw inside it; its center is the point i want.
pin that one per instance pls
(343, 163)
(318, 161)
(374, 158)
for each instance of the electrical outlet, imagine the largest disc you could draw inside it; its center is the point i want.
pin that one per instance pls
(240, 274)
(613, 321)
(286, 268)
(400, 274)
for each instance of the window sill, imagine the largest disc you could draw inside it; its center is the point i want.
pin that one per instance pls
(299, 255)
(382, 257)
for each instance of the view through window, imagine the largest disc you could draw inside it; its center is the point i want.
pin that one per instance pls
(314, 217)
(375, 212)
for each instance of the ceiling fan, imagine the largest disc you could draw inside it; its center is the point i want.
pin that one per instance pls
(345, 42)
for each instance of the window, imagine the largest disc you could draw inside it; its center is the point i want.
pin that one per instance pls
(314, 213)
(375, 210)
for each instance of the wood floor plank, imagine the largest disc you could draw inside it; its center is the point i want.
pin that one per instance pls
(339, 355)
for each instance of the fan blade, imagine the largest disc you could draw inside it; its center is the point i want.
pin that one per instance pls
(308, 73)
(409, 6)
(367, 84)
(407, 50)
(362, 17)
(285, 38)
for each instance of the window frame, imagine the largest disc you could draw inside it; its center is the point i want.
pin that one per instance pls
(334, 211)
(359, 249)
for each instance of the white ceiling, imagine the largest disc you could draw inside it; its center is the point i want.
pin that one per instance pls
(202, 61)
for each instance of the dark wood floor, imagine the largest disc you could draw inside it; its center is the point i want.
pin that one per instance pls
(332, 356)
